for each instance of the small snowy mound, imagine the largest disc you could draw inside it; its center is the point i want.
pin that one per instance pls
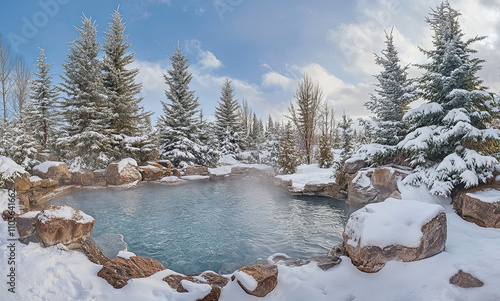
(65, 213)
(124, 162)
(394, 230)
(9, 170)
(45, 166)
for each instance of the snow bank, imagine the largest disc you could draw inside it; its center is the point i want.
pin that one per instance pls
(309, 173)
(44, 167)
(487, 195)
(66, 213)
(124, 162)
(392, 222)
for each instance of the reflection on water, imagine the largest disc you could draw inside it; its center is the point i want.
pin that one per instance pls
(199, 226)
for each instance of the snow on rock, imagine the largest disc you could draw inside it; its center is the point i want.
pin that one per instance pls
(35, 179)
(257, 280)
(125, 254)
(9, 168)
(488, 195)
(124, 162)
(246, 280)
(195, 178)
(172, 180)
(403, 230)
(309, 173)
(393, 222)
(62, 224)
(480, 205)
(45, 166)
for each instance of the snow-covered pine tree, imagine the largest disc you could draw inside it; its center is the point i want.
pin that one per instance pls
(448, 129)
(42, 116)
(286, 155)
(346, 137)
(394, 93)
(227, 121)
(327, 126)
(86, 141)
(179, 124)
(122, 91)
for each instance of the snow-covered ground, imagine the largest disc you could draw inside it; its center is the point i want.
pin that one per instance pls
(309, 173)
(57, 274)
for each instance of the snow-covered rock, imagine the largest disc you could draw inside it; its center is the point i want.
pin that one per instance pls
(208, 285)
(196, 170)
(53, 170)
(394, 230)
(63, 224)
(123, 172)
(353, 165)
(480, 205)
(257, 280)
(118, 271)
(151, 172)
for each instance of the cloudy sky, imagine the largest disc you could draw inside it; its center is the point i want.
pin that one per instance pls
(263, 46)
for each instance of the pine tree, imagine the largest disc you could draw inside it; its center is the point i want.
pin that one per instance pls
(128, 117)
(86, 141)
(394, 93)
(346, 136)
(179, 126)
(228, 123)
(19, 142)
(42, 116)
(444, 146)
(286, 154)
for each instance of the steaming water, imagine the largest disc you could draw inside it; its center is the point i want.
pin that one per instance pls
(200, 226)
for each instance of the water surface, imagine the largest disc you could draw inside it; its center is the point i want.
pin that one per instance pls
(200, 226)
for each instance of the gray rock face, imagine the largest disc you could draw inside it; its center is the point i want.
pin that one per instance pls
(352, 166)
(110, 244)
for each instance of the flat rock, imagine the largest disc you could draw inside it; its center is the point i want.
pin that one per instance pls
(110, 244)
(62, 224)
(264, 279)
(325, 262)
(465, 280)
(480, 205)
(151, 172)
(118, 271)
(394, 230)
(196, 170)
(83, 177)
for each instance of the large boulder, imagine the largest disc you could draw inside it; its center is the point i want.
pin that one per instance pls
(353, 165)
(120, 270)
(196, 170)
(480, 205)
(62, 224)
(375, 184)
(257, 280)
(360, 189)
(151, 172)
(83, 177)
(400, 230)
(53, 170)
(123, 172)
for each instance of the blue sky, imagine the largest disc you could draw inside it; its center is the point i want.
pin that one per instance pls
(263, 46)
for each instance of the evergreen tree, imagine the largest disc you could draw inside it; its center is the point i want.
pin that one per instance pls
(286, 155)
(228, 124)
(86, 141)
(42, 116)
(346, 136)
(179, 126)
(449, 129)
(394, 93)
(19, 142)
(128, 118)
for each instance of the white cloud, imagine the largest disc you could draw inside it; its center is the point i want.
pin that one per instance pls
(274, 79)
(205, 59)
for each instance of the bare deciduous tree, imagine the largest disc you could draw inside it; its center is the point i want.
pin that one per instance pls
(7, 64)
(304, 116)
(21, 85)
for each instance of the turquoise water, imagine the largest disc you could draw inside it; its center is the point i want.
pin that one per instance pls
(200, 226)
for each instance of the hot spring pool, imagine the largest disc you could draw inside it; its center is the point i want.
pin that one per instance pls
(201, 226)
